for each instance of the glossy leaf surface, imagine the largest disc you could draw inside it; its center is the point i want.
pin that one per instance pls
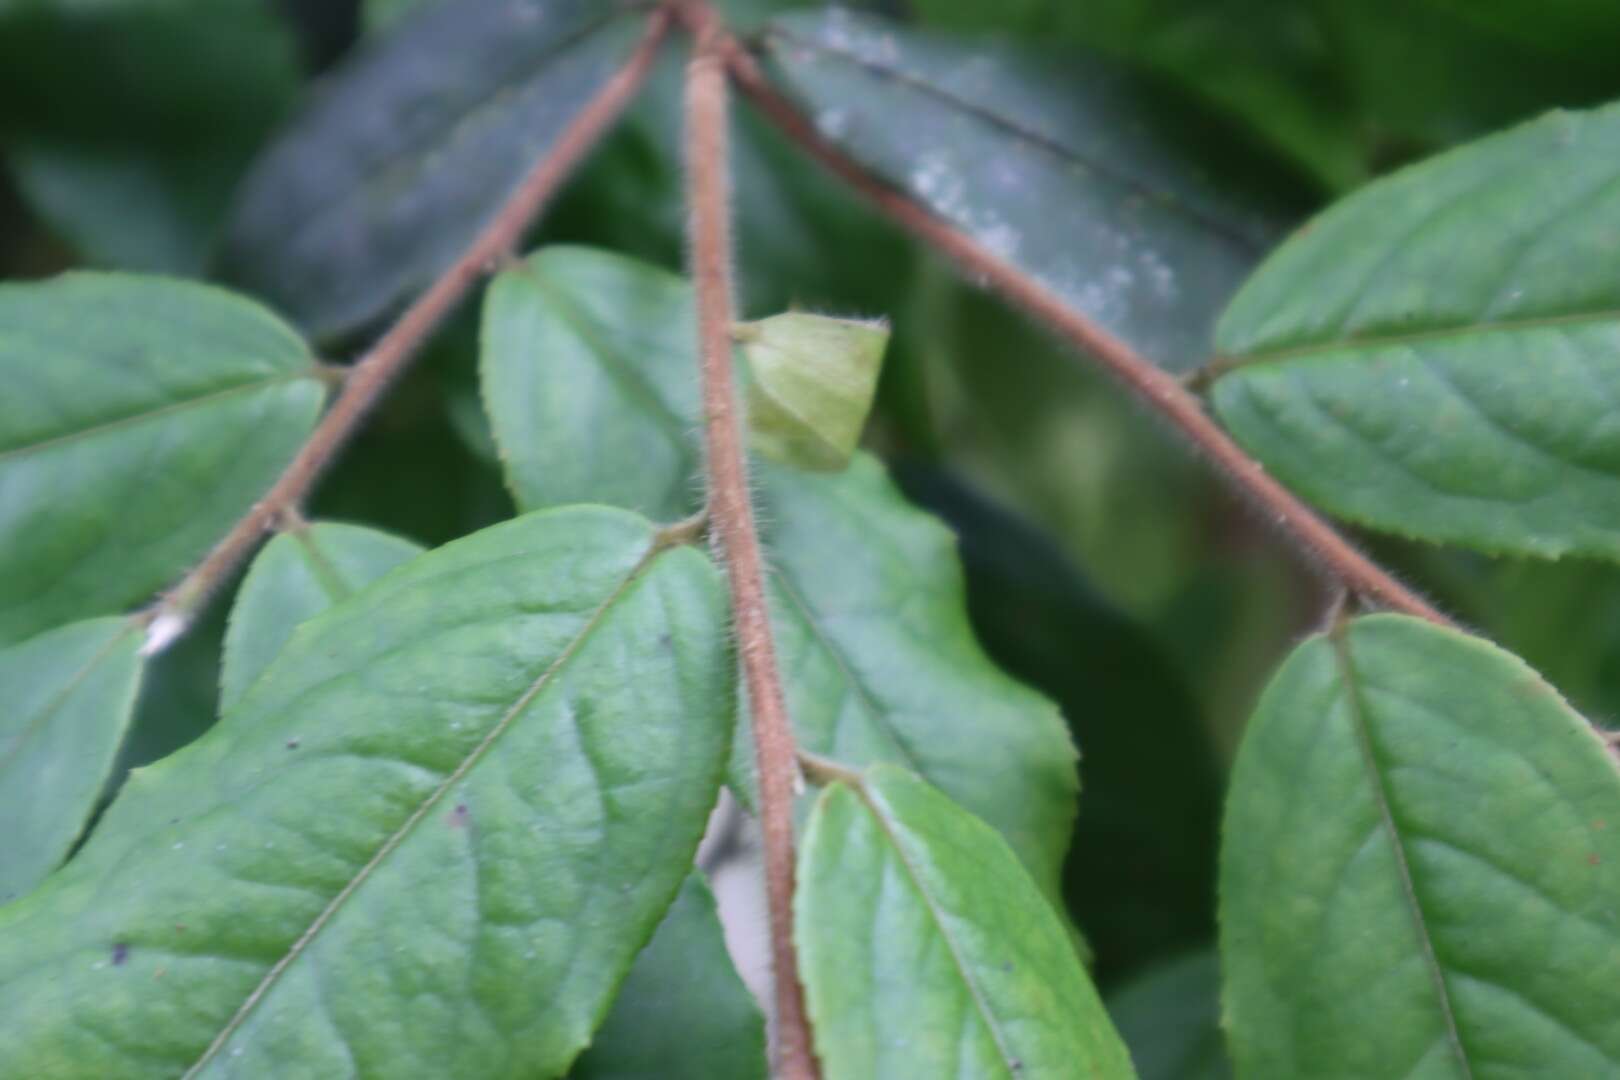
(1438, 355)
(1056, 163)
(69, 695)
(1421, 842)
(164, 408)
(682, 1013)
(410, 149)
(590, 379)
(928, 951)
(298, 575)
(428, 842)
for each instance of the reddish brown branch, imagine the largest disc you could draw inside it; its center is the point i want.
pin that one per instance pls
(1320, 542)
(374, 373)
(732, 518)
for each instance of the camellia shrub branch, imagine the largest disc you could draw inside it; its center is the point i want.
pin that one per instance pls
(447, 822)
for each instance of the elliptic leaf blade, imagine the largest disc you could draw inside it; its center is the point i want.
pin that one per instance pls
(142, 417)
(1420, 843)
(1438, 354)
(428, 842)
(928, 951)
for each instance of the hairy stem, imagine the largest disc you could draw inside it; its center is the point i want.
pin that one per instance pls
(731, 515)
(1321, 543)
(382, 364)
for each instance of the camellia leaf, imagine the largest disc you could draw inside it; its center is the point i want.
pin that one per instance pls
(1421, 863)
(590, 380)
(70, 693)
(682, 1013)
(928, 951)
(812, 380)
(410, 148)
(298, 575)
(164, 408)
(1437, 355)
(1052, 163)
(428, 842)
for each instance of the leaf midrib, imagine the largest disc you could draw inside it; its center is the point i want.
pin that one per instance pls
(1356, 703)
(9, 754)
(981, 1006)
(432, 799)
(131, 419)
(1068, 154)
(1227, 364)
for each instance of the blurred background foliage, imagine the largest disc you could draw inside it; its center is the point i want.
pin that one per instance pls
(1106, 565)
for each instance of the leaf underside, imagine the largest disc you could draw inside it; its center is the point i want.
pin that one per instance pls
(1422, 841)
(1439, 354)
(428, 841)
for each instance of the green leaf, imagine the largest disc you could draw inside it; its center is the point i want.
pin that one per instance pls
(1057, 164)
(428, 842)
(1420, 869)
(142, 417)
(927, 951)
(682, 1013)
(1169, 1017)
(590, 379)
(1436, 355)
(127, 124)
(298, 575)
(69, 696)
(411, 146)
(812, 380)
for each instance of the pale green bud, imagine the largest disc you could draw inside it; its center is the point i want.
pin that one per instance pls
(812, 380)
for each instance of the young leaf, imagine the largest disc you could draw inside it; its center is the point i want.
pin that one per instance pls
(682, 1013)
(69, 696)
(927, 950)
(1437, 355)
(1058, 166)
(298, 575)
(588, 372)
(1169, 1017)
(811, 383)
(428, 842)
(141, 418)
(387, 175)
(1420, 867)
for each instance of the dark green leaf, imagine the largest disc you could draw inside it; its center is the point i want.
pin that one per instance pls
(682, 1013)
(298, 575)
(69, 696)
(427, 843)
(1420, 867)
(1170, 1018)
(591, 382)
(410, 148)
(1438, 354)
(1058, 164)
(927, 950)
(126, 125)
(141, 418)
